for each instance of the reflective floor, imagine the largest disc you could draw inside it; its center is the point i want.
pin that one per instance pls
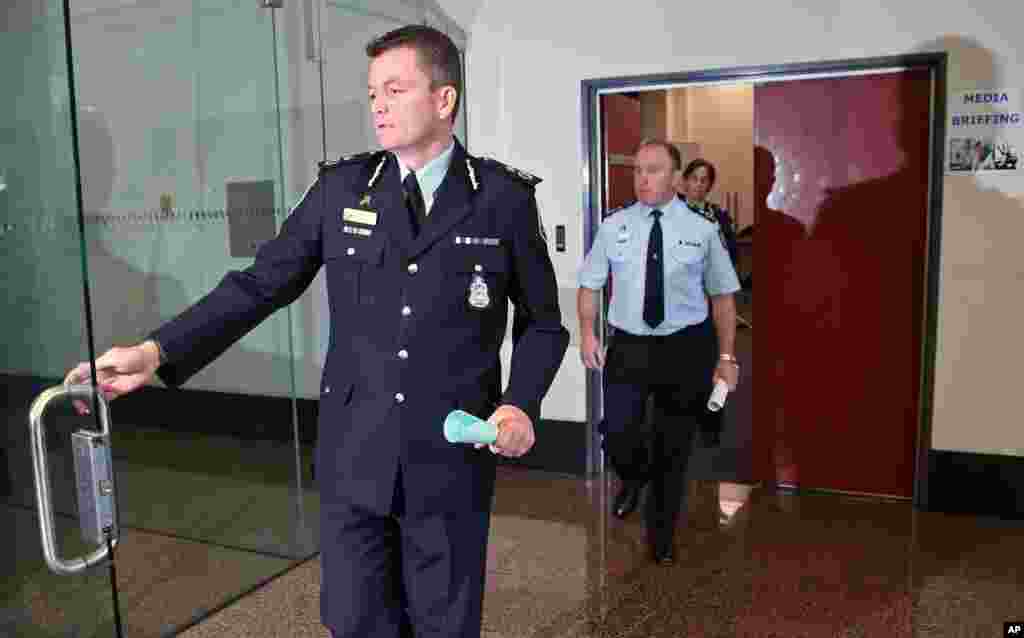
(750, 562)
(203, 520)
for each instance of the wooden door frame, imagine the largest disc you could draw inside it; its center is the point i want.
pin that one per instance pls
(593, 173)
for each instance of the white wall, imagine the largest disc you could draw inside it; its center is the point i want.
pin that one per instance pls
(526, 62)
(462, 12)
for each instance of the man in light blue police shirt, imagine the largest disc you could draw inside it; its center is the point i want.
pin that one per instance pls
(668, 264)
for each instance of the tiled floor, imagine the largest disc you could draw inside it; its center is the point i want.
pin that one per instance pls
(780, 566)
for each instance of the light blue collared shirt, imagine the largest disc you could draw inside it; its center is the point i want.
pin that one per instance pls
(431, 175)
(696, 265)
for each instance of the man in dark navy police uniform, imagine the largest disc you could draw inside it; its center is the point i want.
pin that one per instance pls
(424, 246)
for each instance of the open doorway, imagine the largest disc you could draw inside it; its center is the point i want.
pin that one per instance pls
(714, 123)
(832, 167)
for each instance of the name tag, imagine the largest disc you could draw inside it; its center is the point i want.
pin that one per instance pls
(359, 216)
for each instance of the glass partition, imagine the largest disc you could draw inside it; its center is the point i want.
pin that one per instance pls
(179, 133)
(42, 309)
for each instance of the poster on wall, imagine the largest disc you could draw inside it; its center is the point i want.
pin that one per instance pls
(985, 132)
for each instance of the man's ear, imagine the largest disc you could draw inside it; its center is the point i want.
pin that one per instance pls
(448, 94)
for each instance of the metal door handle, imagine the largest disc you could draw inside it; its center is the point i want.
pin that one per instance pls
(94, 474)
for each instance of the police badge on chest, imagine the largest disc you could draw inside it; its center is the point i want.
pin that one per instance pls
(478, 296)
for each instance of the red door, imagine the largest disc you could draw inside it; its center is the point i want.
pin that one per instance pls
(621, 124)
(842, 171)
(620, 128)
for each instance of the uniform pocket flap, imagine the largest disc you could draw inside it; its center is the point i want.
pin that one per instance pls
(361, 249)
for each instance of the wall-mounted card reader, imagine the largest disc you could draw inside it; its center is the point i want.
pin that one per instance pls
(560, 238)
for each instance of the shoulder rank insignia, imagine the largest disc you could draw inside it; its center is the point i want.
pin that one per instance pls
(619, 209)
(703, 212)
(527, 178)
(711, 212)
(354, 158)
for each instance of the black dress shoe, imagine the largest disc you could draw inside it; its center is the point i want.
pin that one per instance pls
(627, 499)
(664, 555)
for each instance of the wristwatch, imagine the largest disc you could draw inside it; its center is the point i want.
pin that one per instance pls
(731, 358)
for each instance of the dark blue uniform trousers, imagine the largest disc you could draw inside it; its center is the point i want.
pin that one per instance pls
(400, 575)
(677, 370)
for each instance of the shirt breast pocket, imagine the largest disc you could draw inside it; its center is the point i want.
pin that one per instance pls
(622, 249)
(627, 258)
(478, 275)
(350, 262)
(687, 258)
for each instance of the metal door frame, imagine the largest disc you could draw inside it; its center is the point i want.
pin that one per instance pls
(594, 172)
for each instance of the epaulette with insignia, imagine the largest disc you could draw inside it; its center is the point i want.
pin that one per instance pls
(714, 212)
(616, 210)
(705, 213)
(522, 176)
(344, 160)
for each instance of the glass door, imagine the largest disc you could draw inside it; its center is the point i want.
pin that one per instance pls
(42, 307)
(177, 120)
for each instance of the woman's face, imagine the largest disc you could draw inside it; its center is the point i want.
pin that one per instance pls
(697, 184)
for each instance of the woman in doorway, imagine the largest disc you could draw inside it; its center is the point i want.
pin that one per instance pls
(696, 184)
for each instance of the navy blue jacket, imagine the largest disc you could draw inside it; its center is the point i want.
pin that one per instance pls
(408, 342)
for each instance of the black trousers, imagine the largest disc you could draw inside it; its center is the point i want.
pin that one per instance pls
(677, 370)
(403, 575)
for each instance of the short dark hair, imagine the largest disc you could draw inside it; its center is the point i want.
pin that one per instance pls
(437, 54)
(697, 163)
(670, 148)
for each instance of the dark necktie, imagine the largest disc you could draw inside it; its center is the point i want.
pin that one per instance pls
(654, 282)
(414, 202)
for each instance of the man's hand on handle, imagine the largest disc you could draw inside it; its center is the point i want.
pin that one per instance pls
(120, 370)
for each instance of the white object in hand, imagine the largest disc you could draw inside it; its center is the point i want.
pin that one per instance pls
(718, 395)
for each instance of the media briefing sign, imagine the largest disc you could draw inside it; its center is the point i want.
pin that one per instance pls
(985, 132)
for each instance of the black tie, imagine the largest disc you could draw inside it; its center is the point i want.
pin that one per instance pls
(414, 202)
(654, 283)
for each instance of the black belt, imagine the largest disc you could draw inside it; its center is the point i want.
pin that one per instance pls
(627, 337)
